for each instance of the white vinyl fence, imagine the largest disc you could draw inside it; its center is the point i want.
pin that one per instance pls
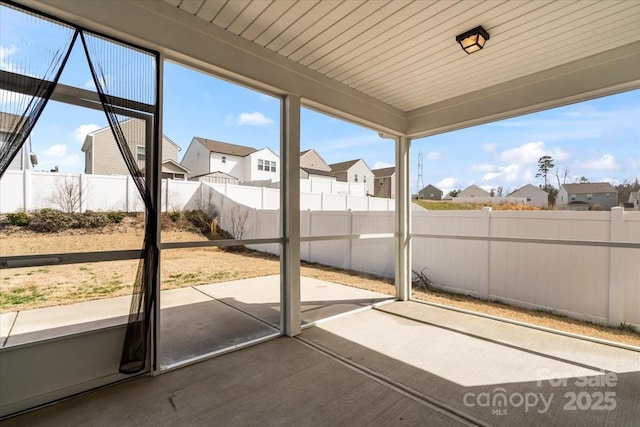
(593, 283)
(589, 282)
(27, 191)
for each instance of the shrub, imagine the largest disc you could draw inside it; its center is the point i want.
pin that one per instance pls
(116, 217)
(90, 220)
(200, 219)
(20, 219)
(174, 216)
(50, 220)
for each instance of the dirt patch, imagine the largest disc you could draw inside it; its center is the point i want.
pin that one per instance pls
(33, 287)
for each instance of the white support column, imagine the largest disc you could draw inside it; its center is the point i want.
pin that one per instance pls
(403, 219)
(290, 217)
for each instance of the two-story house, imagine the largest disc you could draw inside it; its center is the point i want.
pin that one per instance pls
(312, 165)
(385, 181)
(354, 171)
(8, 123)
(587, 196)
(207, 157)
(533, 195)
(102, 156)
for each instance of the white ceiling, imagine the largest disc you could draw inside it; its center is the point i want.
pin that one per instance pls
(393, 65)
(403, 52)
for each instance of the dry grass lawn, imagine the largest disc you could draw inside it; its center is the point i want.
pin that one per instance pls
(32, 287)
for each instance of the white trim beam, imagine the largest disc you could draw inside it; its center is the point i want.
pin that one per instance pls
(611, 72)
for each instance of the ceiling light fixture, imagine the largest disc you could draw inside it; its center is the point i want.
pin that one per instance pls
(473, 40)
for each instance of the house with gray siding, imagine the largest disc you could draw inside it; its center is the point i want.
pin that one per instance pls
(385, 182)
(430, 192)
(534, 196)
(473, 191)
(8, 123)
(587, 196)
(102, 156)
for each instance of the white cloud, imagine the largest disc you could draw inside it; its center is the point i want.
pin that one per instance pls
(605, 163)
(81, 131)
(5, 63)
(447, 184)
(489, 148)
(512, 173)
(483, 168)
(380, 164)
(531, 152)
(57, 150)
(253, 119)
(434, 155)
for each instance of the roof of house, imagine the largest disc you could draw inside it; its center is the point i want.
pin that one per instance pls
(590, 187)
(214, 174)
(8, 121)
(473, 189)
(312, 171)
(85, 144)
(225, 147)
(343, 166)
(430, 186)
(528, 187)
(302, 153)
(383, 172)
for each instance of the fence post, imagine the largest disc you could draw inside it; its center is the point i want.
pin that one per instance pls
(310, 230)
(346, 202)
(616, 278)
(26, 194)
(262, 198)
(82, 192)
(485, 279)
(350, 233)
(166, 194)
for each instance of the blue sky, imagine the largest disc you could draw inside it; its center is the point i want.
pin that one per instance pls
(598, 139)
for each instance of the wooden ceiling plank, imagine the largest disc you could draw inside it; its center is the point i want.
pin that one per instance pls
(230, 12)
(248, 15)
(340, 26)
(298, 10)
(299, 28)
(518, 58)
(191, 6)
(210, 9)
(268, 17)
(318, 27)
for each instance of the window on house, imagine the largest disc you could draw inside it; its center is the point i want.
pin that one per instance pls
(381, 181)
(224, 159)
(140, 154)
(273, 166)
(260, 164)
(528, 199)
(356, 177)
(364, 178)
(589, 196)
(573, 197)
(607, 195)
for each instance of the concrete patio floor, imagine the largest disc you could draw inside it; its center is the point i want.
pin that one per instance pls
(399, 364)
(194, 320)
